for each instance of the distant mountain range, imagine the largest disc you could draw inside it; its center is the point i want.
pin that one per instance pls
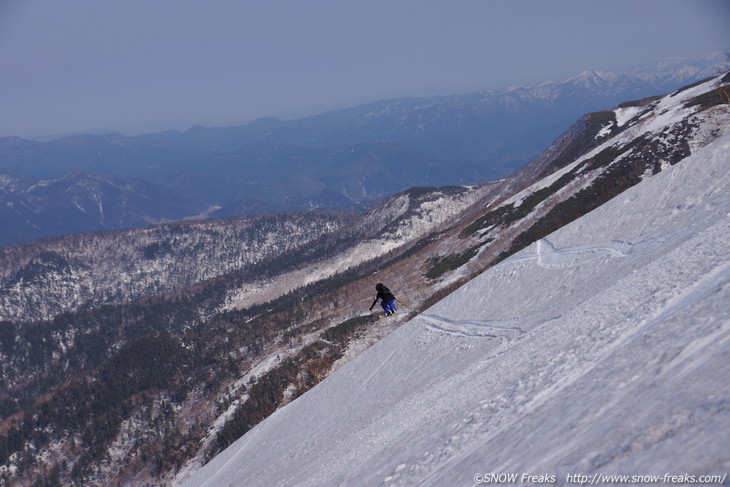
(337, 159)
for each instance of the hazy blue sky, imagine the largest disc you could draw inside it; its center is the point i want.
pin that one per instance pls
(144, 65)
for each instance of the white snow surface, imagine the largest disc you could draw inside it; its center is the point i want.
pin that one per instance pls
(601, 349)
(623, 115)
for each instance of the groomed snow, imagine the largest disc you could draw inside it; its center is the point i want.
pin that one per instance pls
(602, 349)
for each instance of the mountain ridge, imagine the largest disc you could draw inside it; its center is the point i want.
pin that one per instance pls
(482, 135)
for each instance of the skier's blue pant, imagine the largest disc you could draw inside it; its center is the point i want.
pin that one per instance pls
(389, 306)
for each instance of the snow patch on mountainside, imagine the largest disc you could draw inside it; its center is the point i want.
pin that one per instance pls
(623, 115)
(601, 349)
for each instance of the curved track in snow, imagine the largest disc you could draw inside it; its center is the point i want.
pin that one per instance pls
(540, 303)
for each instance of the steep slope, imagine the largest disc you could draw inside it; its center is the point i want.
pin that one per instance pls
(601, 349)
(85, 401)
(601, 156)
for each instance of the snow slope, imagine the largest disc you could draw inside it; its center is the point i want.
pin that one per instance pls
(602, 349)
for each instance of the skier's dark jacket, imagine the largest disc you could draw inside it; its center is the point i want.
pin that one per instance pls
(384, 294)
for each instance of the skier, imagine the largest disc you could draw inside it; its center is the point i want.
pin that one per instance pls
(388, 300)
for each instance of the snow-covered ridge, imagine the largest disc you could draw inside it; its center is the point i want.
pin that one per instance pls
(642, 121)
(410, 218)
(599, 350)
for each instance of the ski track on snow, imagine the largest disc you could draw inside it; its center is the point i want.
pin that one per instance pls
(470, 328)
(546, 256)
(549, 257)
